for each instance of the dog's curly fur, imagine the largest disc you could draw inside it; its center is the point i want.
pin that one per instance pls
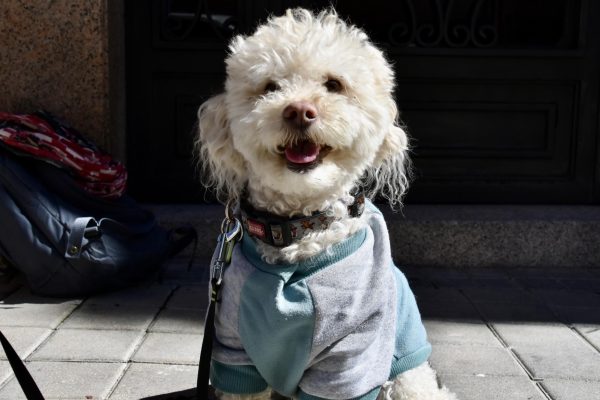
(243, 137)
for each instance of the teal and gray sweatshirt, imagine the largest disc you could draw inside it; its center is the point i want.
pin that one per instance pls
(335, 326)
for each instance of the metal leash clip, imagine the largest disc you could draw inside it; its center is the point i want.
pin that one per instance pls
(231, 233)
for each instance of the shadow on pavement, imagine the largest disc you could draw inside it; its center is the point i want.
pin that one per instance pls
(570, 296)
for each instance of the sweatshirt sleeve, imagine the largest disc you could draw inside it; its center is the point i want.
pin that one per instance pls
(411, 345)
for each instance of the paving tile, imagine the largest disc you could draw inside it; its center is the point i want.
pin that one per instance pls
(460, 282)
(466, 333)
(88, 345)
(35, 315)
(492, 387)
(563, 389)
(516, 313)
(543, 362)
(591, 333)
(444, 303)
(177, 272)
(179, 320)
(5, 371)
(474, 360)
(540, 283)
(441, 272)
(462, 312)
(414, 272)
(144, 380)
(551, 350)
(553, 273)
(150, 296)
(92, 316)
(538, 334)
(439, 295)
(592, 285)
(577, 315)
(24, 339)
(594, 272)
(567, 297)
(191, 297)
(489, 273)
(414, 282)
(507, 295)
(494, 283)
(68, 380)
(24, 295)
(170, 348)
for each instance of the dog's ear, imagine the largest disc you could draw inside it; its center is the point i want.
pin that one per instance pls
(223, 168)
(390, 174)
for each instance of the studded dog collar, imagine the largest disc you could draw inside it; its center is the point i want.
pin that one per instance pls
(281, 232)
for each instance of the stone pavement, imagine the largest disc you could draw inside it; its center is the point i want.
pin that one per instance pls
(496, 334)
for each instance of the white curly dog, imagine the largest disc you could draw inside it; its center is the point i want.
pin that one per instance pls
(312, 306)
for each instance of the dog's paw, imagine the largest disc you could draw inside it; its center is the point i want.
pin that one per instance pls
(417, 384)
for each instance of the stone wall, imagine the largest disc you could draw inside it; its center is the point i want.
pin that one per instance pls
(54, 55)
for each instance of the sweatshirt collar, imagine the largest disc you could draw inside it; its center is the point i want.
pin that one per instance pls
(299, 270)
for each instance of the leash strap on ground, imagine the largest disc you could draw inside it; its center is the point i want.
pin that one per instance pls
(202, 385)
(27, 383)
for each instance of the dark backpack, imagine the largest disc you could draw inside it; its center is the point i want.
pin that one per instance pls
(70, 243)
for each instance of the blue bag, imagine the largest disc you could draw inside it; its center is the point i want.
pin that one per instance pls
(69, 243)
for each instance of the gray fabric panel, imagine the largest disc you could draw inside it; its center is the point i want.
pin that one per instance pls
(355, 319)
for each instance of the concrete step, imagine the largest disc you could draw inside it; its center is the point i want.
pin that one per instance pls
(469, 236)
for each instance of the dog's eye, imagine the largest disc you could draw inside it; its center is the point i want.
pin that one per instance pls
(333, 85)
(271, 87)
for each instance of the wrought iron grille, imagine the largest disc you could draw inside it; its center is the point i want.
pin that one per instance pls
(504, 24)
(199, 21)
(508, 24)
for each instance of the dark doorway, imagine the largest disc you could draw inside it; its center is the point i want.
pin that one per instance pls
(500, 96)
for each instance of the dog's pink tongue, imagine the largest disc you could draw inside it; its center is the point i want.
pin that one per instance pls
(302, 153)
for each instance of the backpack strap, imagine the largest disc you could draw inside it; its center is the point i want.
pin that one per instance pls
(87, 228)
(30, 389)
(75, 241)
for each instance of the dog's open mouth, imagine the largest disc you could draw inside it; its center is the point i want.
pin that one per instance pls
(304, 155)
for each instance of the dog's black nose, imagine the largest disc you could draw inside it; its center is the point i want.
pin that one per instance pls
(300, 114)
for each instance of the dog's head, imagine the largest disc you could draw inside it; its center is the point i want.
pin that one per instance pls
(307, 114)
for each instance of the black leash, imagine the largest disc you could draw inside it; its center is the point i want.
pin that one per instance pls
(27, 383)
(231, 233)
(206, 352)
